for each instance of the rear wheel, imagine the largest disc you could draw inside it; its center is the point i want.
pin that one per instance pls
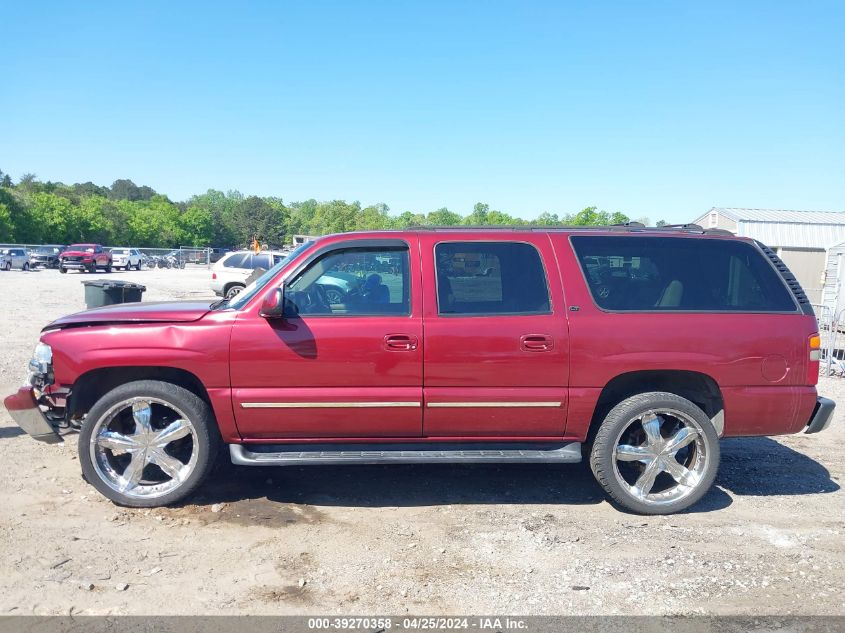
(655, 453)
(233, 290)
(148, 443)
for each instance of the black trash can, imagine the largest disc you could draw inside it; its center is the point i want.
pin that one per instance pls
(106, 292)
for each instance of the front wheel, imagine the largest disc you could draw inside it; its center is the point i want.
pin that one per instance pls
(26, 267)
(148, 443)
(62, 270)
(655, 453)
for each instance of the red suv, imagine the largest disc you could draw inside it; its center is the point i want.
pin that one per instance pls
(636, 348)
(85, 257)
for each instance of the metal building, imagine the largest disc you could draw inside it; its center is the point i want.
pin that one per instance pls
(802, 239)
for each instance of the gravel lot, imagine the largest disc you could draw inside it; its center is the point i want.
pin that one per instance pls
(769, 539)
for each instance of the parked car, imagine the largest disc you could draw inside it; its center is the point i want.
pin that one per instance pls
(229, 275)
(635, 348)
(233, 273)
(216, 254)
(85, 258)
(45, 257)
(14, 258)
(126, 258)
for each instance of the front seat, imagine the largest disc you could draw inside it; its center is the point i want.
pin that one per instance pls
(671, 296)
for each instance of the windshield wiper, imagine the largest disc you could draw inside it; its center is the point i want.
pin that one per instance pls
(217, 304)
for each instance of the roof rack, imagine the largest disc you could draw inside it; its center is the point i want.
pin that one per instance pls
(628, 227)
(686, 227)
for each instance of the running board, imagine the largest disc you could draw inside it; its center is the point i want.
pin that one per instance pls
(441, 453)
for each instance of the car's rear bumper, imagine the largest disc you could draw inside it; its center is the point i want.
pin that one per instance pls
(822, 415)
(26, 413)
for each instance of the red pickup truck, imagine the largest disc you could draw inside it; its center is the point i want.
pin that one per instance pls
(85, 257)
(637, 348)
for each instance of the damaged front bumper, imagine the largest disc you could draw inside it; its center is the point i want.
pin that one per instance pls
(28, 414)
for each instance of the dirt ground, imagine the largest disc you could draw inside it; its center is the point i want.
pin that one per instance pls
(768, 539)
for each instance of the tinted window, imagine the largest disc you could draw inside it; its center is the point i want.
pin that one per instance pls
(480, 278)
(354, 281)
(678, 274)
(261, 261)
(239, 260)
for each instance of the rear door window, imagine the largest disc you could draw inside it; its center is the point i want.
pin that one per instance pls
(261, 261)
(665, 274)
(490, 278)
(240, 260)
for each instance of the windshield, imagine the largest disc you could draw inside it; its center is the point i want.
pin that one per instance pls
(88, 248)
(242, 298)
(120, 251)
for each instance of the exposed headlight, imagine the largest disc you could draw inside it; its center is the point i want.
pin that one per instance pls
(41, 366)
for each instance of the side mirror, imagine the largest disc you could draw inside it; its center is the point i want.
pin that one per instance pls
(273, 305)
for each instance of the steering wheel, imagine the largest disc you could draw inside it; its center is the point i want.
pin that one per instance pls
(320, 298)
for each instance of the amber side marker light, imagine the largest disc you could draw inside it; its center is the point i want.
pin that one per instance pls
(815, 347)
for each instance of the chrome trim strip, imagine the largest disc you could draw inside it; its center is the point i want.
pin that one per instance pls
(326, 405)
(466, 405)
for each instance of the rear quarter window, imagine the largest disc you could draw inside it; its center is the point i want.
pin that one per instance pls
(664, 274)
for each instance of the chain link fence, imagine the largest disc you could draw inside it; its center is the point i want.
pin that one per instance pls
(832, 334)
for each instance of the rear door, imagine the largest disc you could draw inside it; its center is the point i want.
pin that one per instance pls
(496, 355)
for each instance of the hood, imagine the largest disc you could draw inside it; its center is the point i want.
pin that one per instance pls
(161, 312)
(76, 253)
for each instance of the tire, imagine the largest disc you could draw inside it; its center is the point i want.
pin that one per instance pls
(643, 427)
(62, 270)
(108, 269)
(233, 290)
(25, 267)
(100, 464)
(8, 266)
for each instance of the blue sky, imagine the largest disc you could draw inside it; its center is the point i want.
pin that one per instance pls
(657, 109)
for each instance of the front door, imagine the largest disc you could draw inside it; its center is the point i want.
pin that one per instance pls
(346, 362)
(496, 349)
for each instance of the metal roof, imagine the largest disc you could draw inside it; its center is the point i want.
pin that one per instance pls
(780, 215)
(787, 229)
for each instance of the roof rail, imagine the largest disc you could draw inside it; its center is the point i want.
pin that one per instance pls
(686, 227)
(628, 227)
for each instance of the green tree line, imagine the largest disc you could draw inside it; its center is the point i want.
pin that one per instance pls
(35, 212)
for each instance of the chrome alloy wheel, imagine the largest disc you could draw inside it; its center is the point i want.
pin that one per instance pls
(660, 457)
(143, 448)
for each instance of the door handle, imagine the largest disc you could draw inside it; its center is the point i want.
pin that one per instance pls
(536, 343)
(400, 342)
